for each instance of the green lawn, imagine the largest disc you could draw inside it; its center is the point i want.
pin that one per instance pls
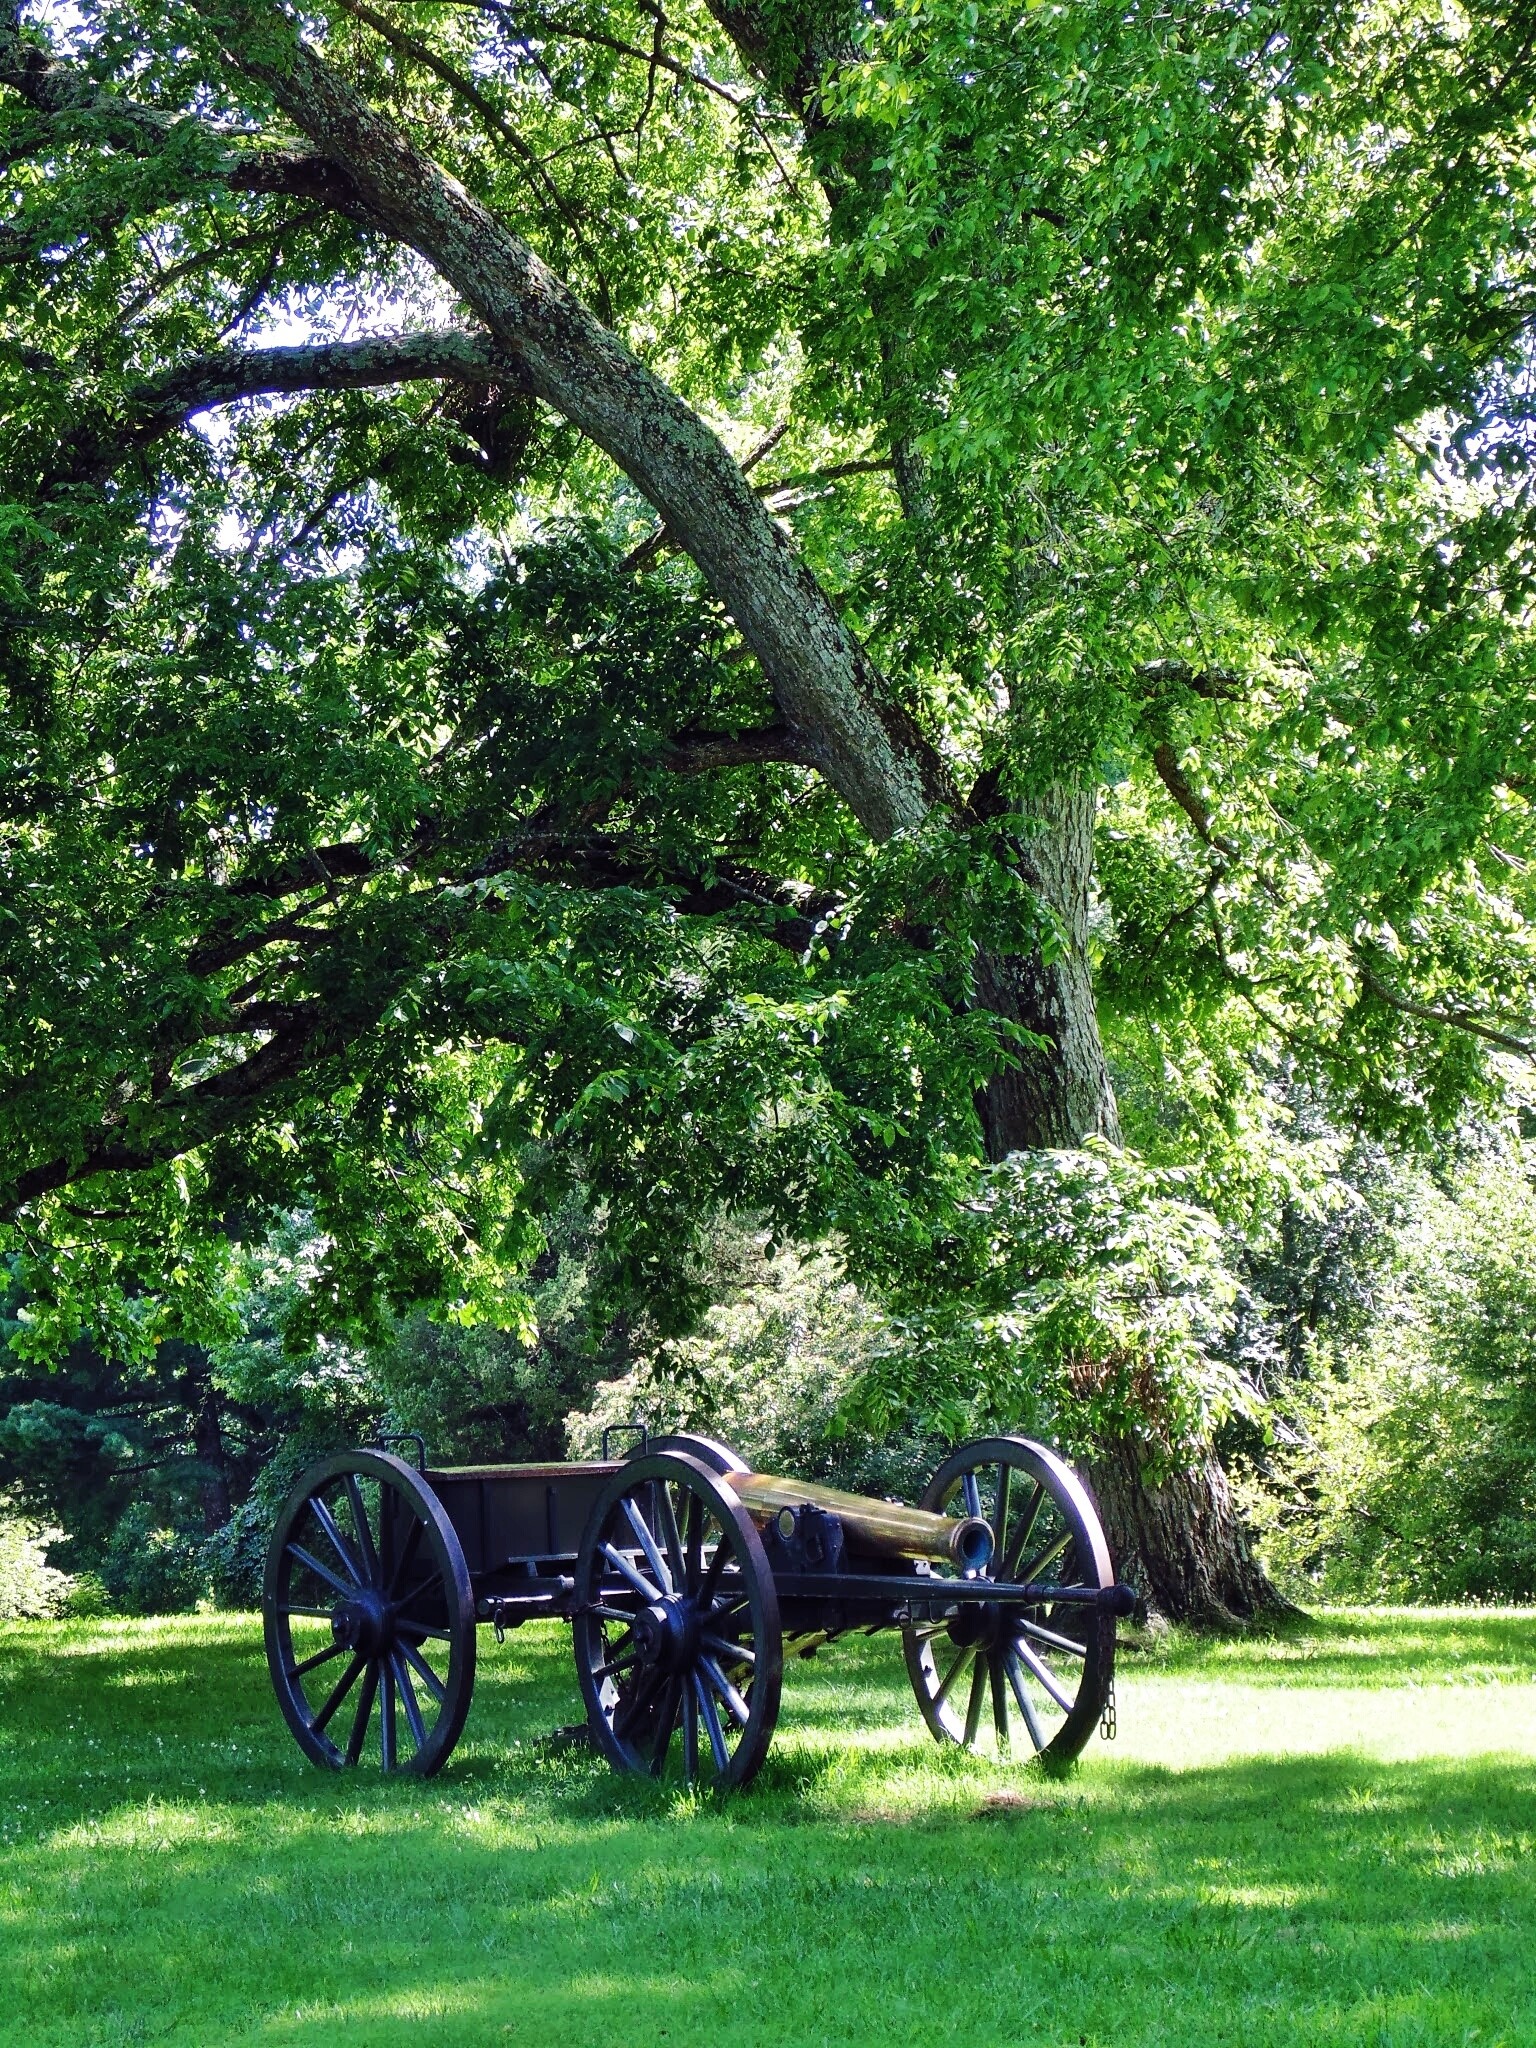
(1324, 1838)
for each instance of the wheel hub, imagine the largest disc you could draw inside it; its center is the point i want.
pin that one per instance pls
(363, 1623)
(977, 1628)
(666, 1634)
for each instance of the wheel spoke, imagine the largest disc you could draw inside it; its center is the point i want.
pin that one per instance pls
(312, 1613)
(973, 1708)
(1049, 1637)
(666, 1722)
(359, 1733)
(626, 1570)
(630, 1707)
(342, 1687)
(424, 1672)
(1038, 1563)
(320, 1657)
(724, 1647)
(1016, 1681)
(334, 1537)
(432, 1584)
(712, 1726)
(740, 1712)
(647, 1543)
(999, 1698)
(1026, 1529)
(666, 1515)
(951, 1675)
(321, 1571)
(1000, 1513)
(690, 1736)
(616, 1666)
(1046, 1677)
(388, 1749)
(716, 1572)
(360, 1524)
(422, 1633)
(693, 1549)
(606, 1613)
(972, 1494)
(409, 1701)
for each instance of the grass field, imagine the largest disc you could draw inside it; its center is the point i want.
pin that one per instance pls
(1329, 1837)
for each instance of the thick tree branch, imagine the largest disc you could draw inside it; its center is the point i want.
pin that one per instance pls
(157, 406)
(1178, 787)
(695, 753)
(446, 354)
(73, 102)
(304, 1031)
(1457, 1019)
(190, 1116)
(823, 681)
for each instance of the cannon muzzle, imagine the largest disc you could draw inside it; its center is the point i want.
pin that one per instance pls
(878, 1528)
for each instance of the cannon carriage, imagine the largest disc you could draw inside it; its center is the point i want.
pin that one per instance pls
(685, 1578)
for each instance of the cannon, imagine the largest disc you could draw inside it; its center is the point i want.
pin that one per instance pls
(685, 1576)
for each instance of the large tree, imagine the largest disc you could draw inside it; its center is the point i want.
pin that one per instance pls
(721, 598)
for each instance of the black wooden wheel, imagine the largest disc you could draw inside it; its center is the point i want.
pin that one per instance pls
(677, 1639)
(1010, 1677)
(370, 1620)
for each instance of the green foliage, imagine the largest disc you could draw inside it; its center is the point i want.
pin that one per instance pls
(343, 847)
(1405, 1462)
(30, 1587)
(1079, 1296)
(1214, 332)
(373, 941)
(771, 1372)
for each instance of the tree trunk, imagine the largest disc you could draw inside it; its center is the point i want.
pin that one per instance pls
(1185, 1534)
(1180, 1536)
(1059, 1093)
(208, 1442)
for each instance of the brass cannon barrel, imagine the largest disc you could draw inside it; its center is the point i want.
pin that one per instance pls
(877, 1527)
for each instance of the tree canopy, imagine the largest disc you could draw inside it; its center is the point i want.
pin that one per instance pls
(756, 605)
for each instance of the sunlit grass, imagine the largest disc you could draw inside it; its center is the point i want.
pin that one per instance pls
(1325, 1836)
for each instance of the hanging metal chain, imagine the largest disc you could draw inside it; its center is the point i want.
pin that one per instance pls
(1107, 1721)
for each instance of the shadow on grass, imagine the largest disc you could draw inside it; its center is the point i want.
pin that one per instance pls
(1333, 1899)
(170, 1870)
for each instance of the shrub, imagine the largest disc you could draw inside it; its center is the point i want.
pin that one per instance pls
(769, 1373)
(30, 1587)
(1406, 1466)
(1080, 1296)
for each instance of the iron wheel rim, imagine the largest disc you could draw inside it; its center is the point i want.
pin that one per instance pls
(984, 1677)
(677, 1636)
(369, 1617)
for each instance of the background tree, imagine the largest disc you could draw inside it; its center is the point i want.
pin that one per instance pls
(469, 773)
